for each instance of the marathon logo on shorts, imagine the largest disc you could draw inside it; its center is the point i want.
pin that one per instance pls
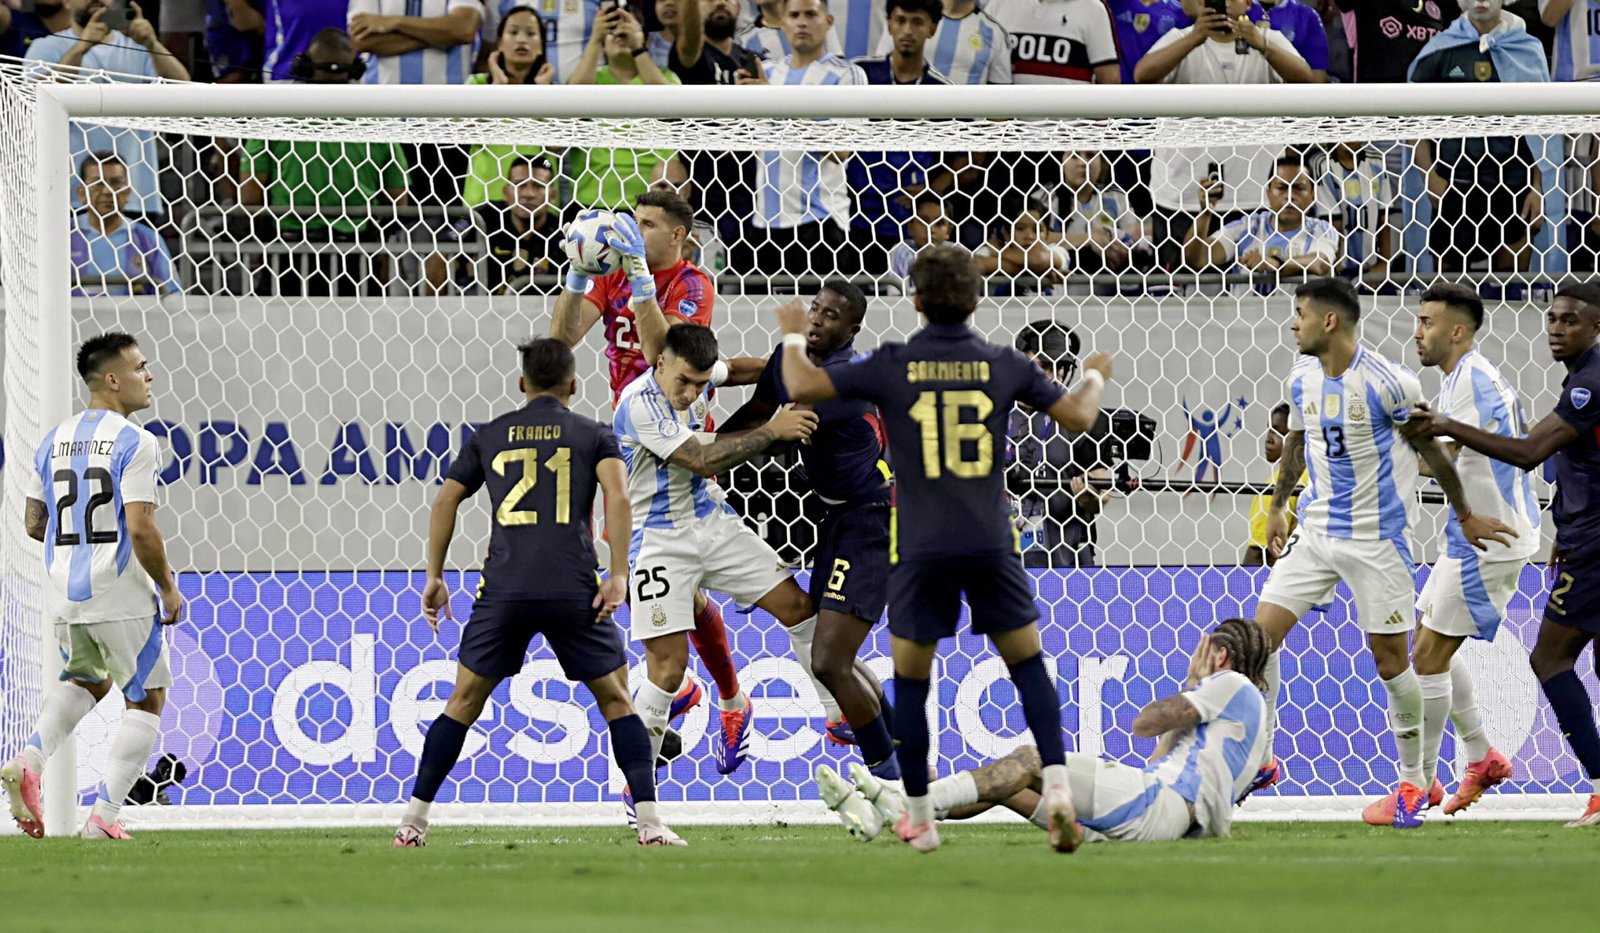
(1580, 397)
(1050, 57)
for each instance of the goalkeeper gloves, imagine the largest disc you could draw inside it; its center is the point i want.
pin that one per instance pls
(626, 238)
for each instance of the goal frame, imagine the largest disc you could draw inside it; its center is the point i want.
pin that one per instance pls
(56, 105)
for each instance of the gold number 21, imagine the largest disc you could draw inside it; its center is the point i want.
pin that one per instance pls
(560, 463)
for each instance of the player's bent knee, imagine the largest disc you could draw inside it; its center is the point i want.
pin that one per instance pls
(788, 603)
(155, 699)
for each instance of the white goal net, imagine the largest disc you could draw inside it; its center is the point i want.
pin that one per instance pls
(329, 285)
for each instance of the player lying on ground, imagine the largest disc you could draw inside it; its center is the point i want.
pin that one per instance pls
(108, 610)
(680, 292)
(1467, 592)
(845, 469)
(542, 464)
(1212, 740)
(946, 397)
(1347, 425)
(1570, 433)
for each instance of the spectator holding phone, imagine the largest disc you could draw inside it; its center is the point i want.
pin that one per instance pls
(704, 50)
(115, 39)
(614, 178)
(1222, 47)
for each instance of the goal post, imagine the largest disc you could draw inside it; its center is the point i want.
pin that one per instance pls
(304, 432)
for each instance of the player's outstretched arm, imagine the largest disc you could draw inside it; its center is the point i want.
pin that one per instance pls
(1077, 410)
(744, 371)
(441, 529)
(804, 380)
(573, 315)
(151, 549)
(1477, 529)
(613, 477)
(1162, 716)
(36, 519)
(1545, 438)
(789, 424)
(1291, 465)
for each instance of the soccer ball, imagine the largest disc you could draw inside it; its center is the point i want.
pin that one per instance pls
(588, 255)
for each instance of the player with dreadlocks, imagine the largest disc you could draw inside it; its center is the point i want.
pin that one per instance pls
(1213, 738)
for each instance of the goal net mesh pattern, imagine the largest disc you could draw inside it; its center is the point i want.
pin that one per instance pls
(330, 307)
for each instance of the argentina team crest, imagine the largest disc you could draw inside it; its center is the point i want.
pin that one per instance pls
(1580, 397)
(1483, 71)
(1141, 22)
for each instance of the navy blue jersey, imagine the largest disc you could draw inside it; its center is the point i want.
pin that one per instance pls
(1577, 504)
(945, 397)
(844, 459)
(539, 463)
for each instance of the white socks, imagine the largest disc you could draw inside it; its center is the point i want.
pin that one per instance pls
(417, 812)
(1436, 692)
(733, 704)
(919, 810)
(1052, 776)
(65, 705)
(130, 752)
(645, 813)
(1464, 712)
(655, 707)
(957, 790)
(801, 636)
(1273, 675)
(1405, 719)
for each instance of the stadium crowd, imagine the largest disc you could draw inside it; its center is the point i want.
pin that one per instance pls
(488, 219)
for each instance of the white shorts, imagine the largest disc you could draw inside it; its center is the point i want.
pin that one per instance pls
(132, 652)
(718, 552)
(1121, 802)
(1467, 596)
(1380, 574)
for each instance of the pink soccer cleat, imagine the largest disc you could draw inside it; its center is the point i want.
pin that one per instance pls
(97, 828)
(924, 838)
(1065, 834)
(1591, 814)
(1380, 812)
(687, 698)
(22, 787)
(1480, 776)
(657, 834)
(412, 834)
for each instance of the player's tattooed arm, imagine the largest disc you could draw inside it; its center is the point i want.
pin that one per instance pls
(1293, 463)
(999, 781)
(35, 519)
(732, 449)
(1477, 529)
(1545, 438)
(1160, 716)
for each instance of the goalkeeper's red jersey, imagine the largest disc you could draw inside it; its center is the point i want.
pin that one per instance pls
(684, 293)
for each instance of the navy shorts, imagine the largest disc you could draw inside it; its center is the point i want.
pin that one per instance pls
(925, 596)
(495, 640)
(850, 570)
(1575, 594)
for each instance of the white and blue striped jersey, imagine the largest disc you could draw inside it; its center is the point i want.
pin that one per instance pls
(1362, 197)
(971, 49)
(1363, 473)
(770, 44)
(85, 472)
(1213, 763)
(648, 430)
(1577, 45)
(1476, 394)
(804, 187)
(423, 66)
(1260, 232)
(860, 25)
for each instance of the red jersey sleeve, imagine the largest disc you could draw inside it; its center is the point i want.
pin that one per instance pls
(601, 289)
(689, 296)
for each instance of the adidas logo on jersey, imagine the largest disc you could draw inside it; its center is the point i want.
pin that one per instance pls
(1456, 72)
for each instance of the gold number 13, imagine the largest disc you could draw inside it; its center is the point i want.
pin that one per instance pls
(937, 457)
(560, 463)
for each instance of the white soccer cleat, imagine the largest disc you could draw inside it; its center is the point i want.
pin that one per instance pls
(22, 789)
(860, 817)
(412, 834)
(887, 797)
(657, 834)
(1065, 834)
(96, 828)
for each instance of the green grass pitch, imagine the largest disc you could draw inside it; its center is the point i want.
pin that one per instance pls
(1269, 877)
